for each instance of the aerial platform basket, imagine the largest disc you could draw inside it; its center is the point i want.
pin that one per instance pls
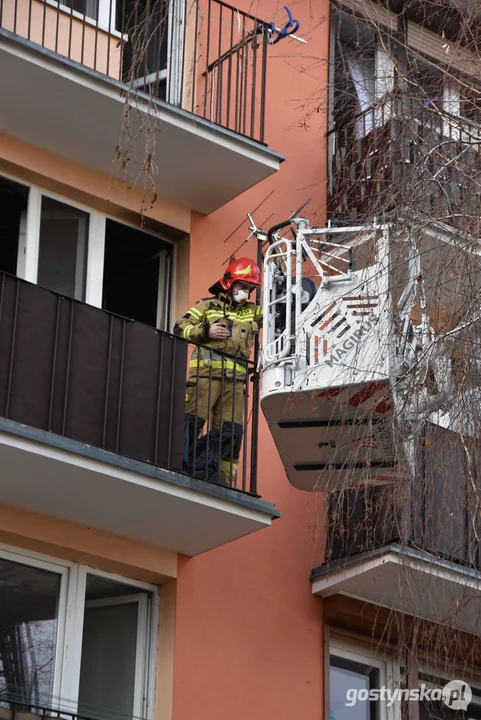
(344, 355)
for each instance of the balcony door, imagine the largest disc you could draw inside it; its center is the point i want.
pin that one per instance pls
(152, 55)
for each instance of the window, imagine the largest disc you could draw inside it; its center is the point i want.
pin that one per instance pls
(89, 8)
(145, 55)
(347, 677)
(62, 257)
(363, 75)
(29, 598)
(107, 623)
(471, 105)
(425, 84)
(438, 710)
(355, 673)
(354, 71)
(137, 272)
(153, 54)
(79, 253)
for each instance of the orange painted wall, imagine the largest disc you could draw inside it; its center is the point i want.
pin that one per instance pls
(249, 632)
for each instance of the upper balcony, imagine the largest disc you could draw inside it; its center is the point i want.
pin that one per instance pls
(405, 153)
(412, 548)
(404, 113)
(92, 427)
(165, 95)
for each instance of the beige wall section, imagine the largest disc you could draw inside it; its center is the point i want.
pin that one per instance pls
(165, 657)
(89, 187)
(79, 543)
(57, 29)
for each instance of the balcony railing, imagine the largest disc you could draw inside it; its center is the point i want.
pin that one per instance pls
(438, 512)
(73, 370)
(404, 153)
(203, 56)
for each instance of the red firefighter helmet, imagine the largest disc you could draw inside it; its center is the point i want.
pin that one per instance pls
(242, 270)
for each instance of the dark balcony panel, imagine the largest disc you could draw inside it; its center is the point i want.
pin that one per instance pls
(437, 512)
(77, 371)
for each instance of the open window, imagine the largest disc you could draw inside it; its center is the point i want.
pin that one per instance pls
(77, 252)
(137, 275)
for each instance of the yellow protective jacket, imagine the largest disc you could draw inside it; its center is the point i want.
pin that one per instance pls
(243, 322)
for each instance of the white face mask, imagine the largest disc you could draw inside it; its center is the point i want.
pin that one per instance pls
(239, 296)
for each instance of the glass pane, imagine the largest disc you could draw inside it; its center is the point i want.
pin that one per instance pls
(109, 658)
(90, 8)
(62, 260)
(349, 685)
(28, 633)
(107, 672)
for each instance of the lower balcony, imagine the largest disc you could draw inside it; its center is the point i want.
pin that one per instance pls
(415, 548)
(92, 427)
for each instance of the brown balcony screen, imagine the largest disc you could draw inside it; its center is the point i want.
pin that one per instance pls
(77, 371)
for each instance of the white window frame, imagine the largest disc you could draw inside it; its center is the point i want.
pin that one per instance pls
(29, 241)
(71, 606)
(389, 671)
(29, 248)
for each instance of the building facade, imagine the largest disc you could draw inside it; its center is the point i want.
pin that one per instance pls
(134, 140)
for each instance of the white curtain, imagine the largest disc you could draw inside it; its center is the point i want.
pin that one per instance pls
(362, 75)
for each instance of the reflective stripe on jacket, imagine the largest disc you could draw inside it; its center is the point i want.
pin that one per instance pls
(243, 322)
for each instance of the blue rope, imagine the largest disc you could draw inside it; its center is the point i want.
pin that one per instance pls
(290, 28)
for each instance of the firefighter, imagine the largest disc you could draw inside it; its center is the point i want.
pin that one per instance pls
(226, 322)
